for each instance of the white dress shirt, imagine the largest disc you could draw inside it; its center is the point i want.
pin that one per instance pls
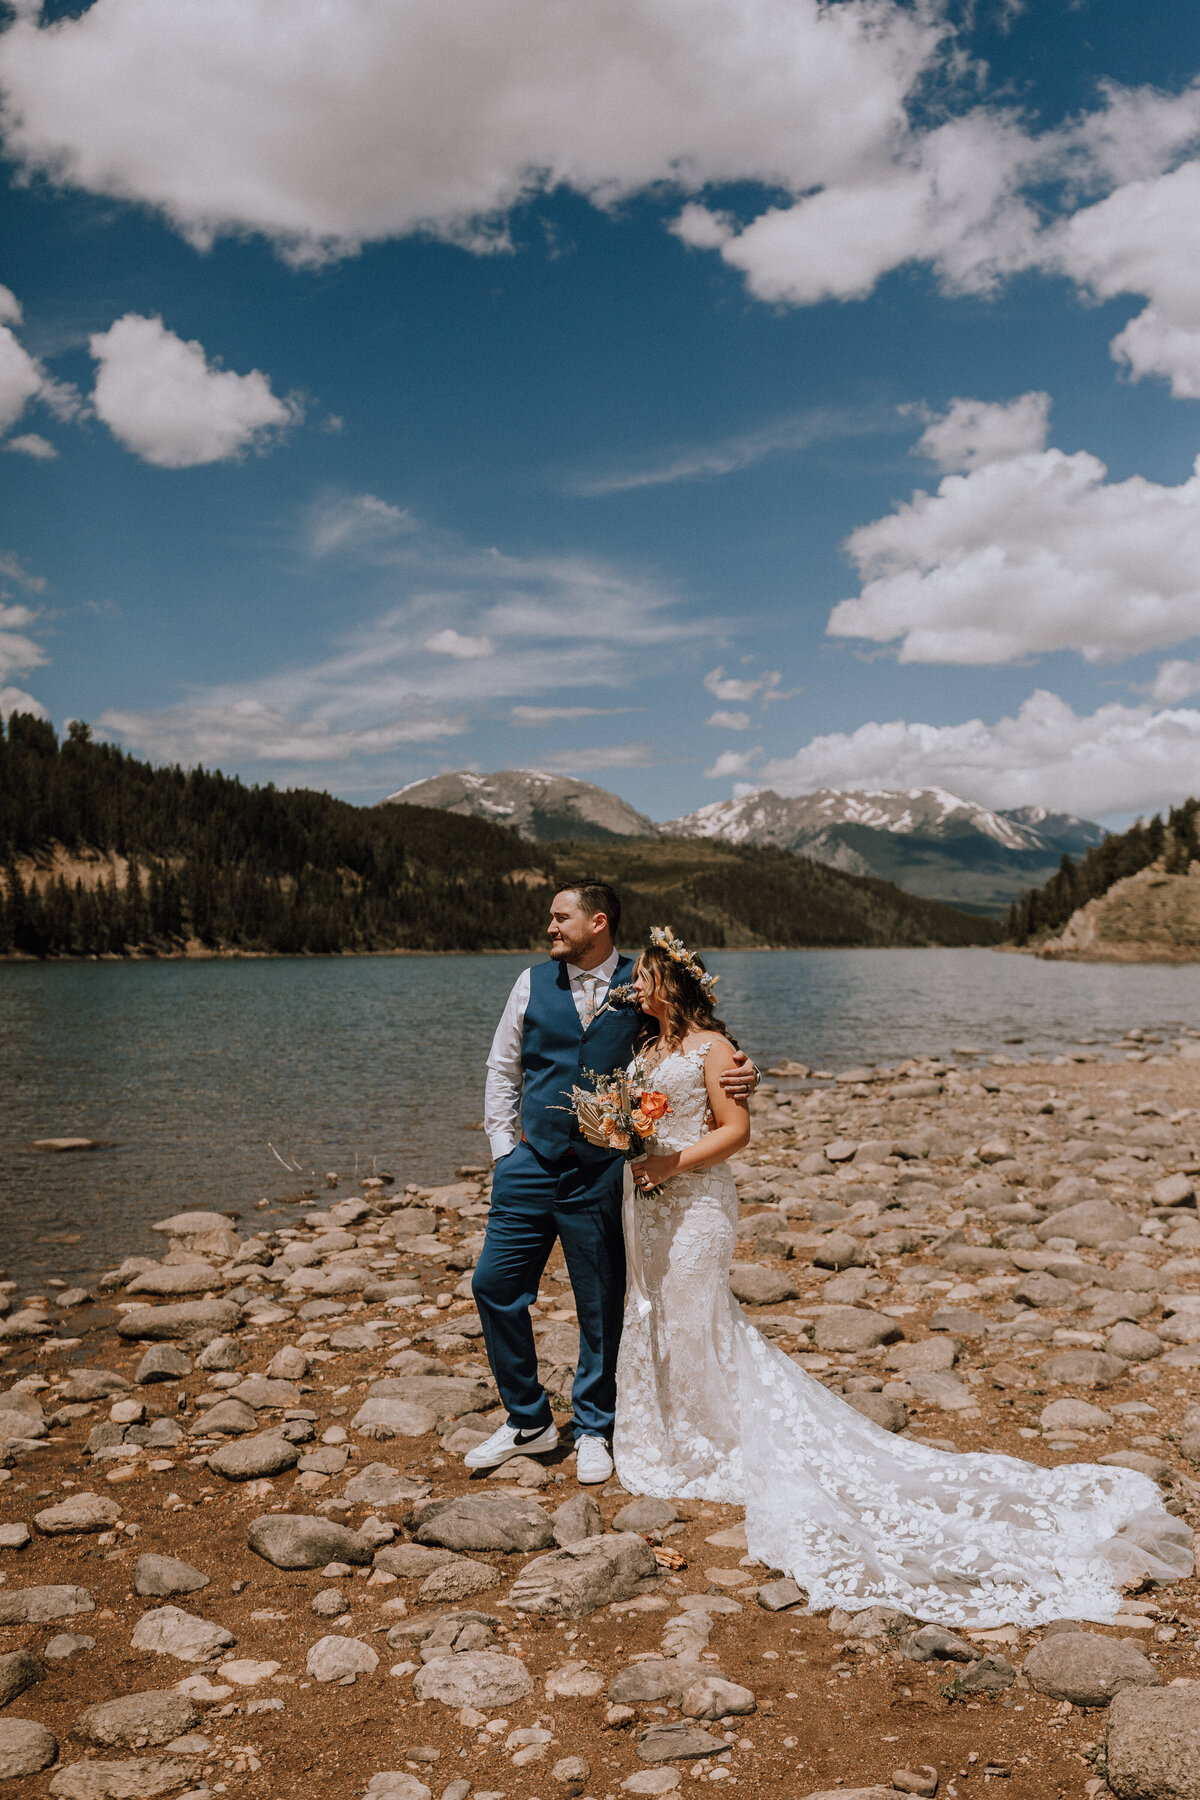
(505, 1077)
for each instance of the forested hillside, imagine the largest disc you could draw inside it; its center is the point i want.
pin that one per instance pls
(1046, 909)
(198, 862)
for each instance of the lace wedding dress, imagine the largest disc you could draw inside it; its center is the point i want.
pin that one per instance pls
(707, 1409)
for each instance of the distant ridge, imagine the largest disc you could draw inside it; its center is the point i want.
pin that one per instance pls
(540, 806)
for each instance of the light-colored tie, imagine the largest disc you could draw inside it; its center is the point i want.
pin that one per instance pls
(590, 984)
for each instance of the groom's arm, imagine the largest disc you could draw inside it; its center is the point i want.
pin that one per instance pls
(502, 1090)
(740, 1081)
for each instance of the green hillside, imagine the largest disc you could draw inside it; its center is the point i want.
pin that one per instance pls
(200, 862)
(1046, 909)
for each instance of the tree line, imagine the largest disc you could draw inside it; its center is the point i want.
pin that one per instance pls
(1045, 910)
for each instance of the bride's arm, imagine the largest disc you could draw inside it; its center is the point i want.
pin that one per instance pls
(731, 1134)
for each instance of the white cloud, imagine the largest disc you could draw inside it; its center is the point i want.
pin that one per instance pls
(20, 377)
(1119, 759)
(554, 715)
(737, 688)
(230, 726)
(13, 569)
(1031, 553)
(18, 651)
(741, 450)
(454, 643)
(14, 699)
(973, 432)
(604, 756)
(162, 399)
(354, 522)
(1175, 681)
(734, 764)
(31, 443)
(730, 721)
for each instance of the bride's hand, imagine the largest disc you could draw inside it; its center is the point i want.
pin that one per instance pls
(652, 1171)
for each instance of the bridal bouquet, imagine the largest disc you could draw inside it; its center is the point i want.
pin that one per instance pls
(620, 1114)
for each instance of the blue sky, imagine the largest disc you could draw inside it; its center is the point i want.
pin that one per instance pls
(395, 388)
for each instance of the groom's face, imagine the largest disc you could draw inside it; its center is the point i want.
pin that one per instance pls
(572, 930)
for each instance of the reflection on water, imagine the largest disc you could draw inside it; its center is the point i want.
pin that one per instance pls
(193, 1070)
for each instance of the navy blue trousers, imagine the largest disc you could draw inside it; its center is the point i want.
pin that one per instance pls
(535, 1201)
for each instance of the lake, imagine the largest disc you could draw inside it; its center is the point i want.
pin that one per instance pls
(204, 1075)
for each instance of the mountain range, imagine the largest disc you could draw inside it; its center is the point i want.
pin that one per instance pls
(928, 841)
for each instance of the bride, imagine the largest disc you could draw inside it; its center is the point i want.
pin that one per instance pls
(707, 1409)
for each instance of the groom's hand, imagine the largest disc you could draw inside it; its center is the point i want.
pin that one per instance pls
(740, 1081)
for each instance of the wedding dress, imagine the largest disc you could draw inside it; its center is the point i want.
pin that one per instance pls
(707, 1409)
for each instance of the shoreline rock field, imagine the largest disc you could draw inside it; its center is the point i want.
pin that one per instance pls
(240, 1555)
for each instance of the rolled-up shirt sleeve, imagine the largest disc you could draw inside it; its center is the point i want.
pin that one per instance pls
(502, 1090)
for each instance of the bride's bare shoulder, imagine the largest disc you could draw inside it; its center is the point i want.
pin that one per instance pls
(718, 1046)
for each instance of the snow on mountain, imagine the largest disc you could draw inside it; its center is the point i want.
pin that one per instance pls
(540, 806)
(768, 818)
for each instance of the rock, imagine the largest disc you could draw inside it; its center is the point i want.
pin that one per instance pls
(1132, 1344)
(228, 1418)
(880, 1409)
(132, 1265)
(1089, 1222)
(838, 1250)
(571, 1772)
(947, 1392)
(990, 1675)
(15, 1536)
(67, 1643)
(1156, 1467)
(777, 1596)
(1074, 1415)
(458, 1579)
(169, 1631)
(852, 1329)
(209, 1233)
(246, 1671)
(154, 1717)
(934, 1641)
(644, 1515)
(155, 1577)
(654, 1679)
(298, 1541)
(574, 1581)
(712, 1697)
(330, 1603)
(922, 1782)
(191, 1320)
(30, 1322)
(18, 1671)
(38, 1605)
(288, 1364)
(1154, 1744)
(94, 1384)
(176, 1278)
(382, 1418)
(80, 1512)
(1083, 1368)
(1173, 1190)
(163, 1362)
(1087, 1669)
(577, 1518)
(326, 1459)
(1042, 1289)
(667, 1743)
(481, 1678)
(394, 1784)
(221, 1354)
(260, 1390)
(660, 1780)
(141, 1779)
(930, 1355)
(446, 1396)
(409, 1560)
(872, 1622)
(341, 1659)
(250, 1458)
(379, 1484)
(574, 1681)
(483, 1522)
(756, 1285)
(25, 1748)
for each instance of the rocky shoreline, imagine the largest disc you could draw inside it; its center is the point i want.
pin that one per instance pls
(239, 1553)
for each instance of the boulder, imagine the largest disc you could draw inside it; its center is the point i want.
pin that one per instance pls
(941, 1389)
(480, 1678)
(379, 1484)
(1154, 1744)
(93, 1384)
(38, 1605)
(1039, 1288)
(644, 1514)
(154, 1577)
(298, 1541)
(1087, 1669)
(394, 1784)
(228, 1418)
(579, 1517)
(390, 1418)
(990, 1675)
(651, 1681)
(574, 1581)
(756, 1285)
(838, 1250)
(712, 1697)
(881, 1409)
(162, 1362)
(777, 1596)
(668, 1743)
(854, 1329)
(202, 1233)
(1089, 1222)
(934, 1642)
(18, 1671)
(411, 1560)
(154, 1717)
(250, 1458)
(25, 1748)
(169, 1631)
(189, 1321)
(1074, 1415)
(140, 1779)
(260, 1390)
(1083, 1368)
(929, 1355)
(341, 1659)
(175, 1278)
(445, 1396)
(574, 1681)
(221, 1354)
(457, 1580)
(483, 1522)
(1132, 1344)
(78, 1513)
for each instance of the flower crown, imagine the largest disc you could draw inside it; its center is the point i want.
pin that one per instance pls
(663, 938)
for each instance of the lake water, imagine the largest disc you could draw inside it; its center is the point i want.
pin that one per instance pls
(194, 1070)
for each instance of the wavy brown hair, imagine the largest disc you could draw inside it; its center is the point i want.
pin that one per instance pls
(689, 1007)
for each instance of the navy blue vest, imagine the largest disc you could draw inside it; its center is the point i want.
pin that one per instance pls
(557, 1054)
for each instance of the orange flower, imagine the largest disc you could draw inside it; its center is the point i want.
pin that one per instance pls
(642, 1123)
(620, 1140)
(654, 1104)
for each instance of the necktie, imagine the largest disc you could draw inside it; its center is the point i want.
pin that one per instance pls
(590, 984)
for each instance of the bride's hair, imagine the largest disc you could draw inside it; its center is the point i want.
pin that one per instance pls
(689, 1006)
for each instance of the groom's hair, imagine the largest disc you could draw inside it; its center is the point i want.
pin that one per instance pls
(596, 896)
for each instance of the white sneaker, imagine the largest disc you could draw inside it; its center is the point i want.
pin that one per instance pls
(511, 1440)
(592, 1460)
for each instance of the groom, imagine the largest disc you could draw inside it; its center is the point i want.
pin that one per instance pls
(557, 1029)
